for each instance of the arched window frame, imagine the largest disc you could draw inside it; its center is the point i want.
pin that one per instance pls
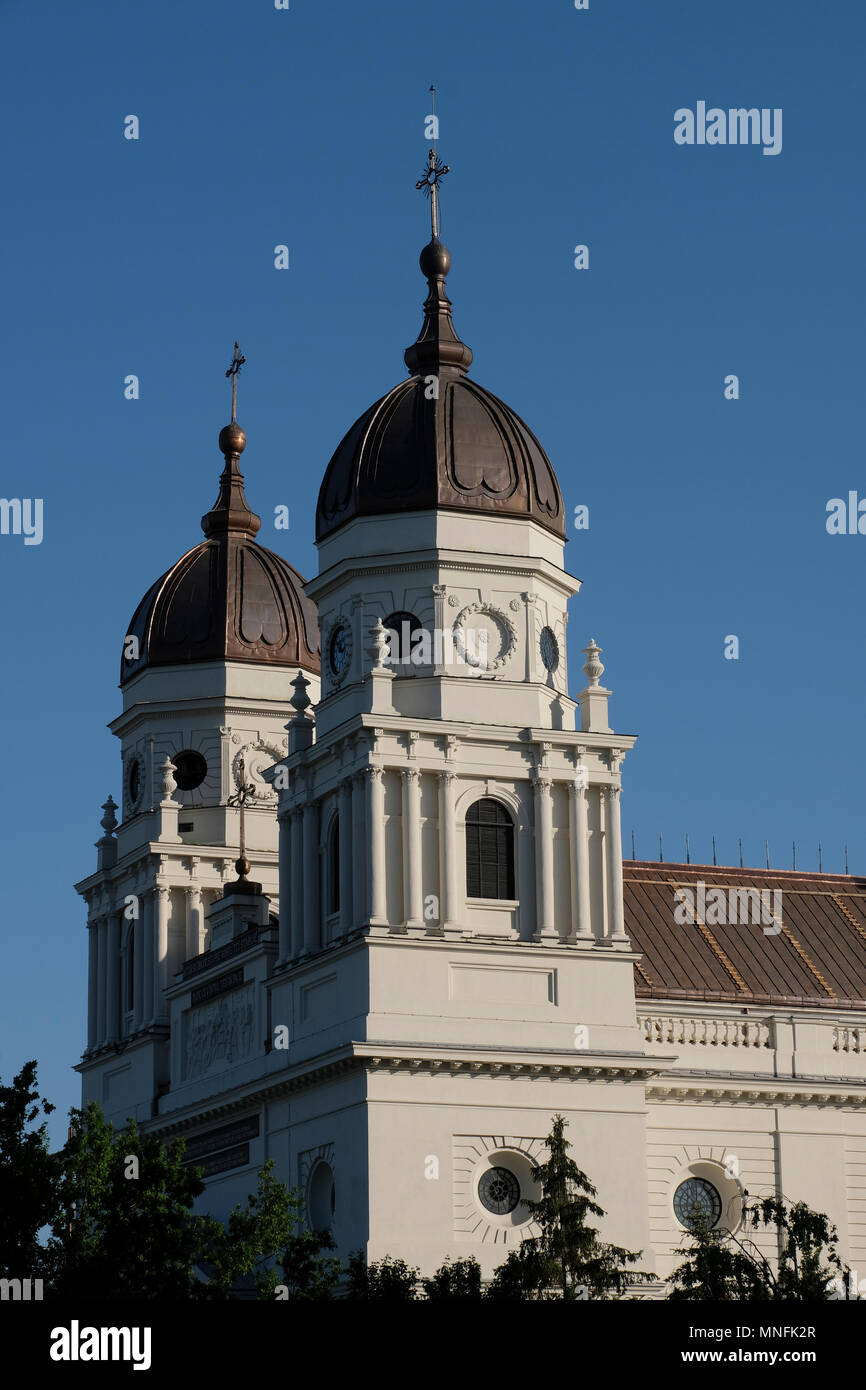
(490, 857)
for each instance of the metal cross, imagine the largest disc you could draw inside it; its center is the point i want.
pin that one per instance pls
(242, 795)
(433, 176)
(237, 363)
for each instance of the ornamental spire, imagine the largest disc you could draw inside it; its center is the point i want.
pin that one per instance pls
(437, 346)
(231, 512)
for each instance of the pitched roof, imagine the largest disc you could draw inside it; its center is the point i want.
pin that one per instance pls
(817, 959)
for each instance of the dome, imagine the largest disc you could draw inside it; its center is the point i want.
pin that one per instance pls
(451, 445)
(227, 599)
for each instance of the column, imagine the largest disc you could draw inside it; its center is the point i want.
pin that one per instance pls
(101, 978)
(311, 878)
(376, 840)
(92, 967)
(113, 1029)
(413, 897)
(616, 926)
(359, 901)
(138, 947)
(149, 957)
(545, 929)
(579, 827)
(347, 851)
(296, 836)
(162, 981)
(448, 907)
(192, 893)
(285, 879)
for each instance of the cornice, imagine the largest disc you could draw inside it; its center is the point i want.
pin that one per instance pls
(524, 1063)
(681, 1086)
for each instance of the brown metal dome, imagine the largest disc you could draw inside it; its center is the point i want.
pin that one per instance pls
(228, 599)
(439, 440)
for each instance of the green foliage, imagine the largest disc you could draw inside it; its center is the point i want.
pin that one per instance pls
(566, 1260)
(125, 1235)
(721, 1266)
(29, 1176)
(384, 1279)
(267, 1242)
(460, 1279)
(307, 1272)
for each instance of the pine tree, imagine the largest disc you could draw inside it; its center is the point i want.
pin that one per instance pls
(567, 1255)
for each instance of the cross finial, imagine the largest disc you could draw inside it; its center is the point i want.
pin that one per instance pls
(434, 173)
(234, 369)
(244, 791)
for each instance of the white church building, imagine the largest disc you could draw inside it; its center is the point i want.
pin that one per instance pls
(430, 943)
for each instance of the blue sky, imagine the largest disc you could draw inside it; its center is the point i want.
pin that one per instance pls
(305, 127)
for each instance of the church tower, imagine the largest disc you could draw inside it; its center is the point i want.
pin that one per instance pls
(206, 675)
(453, 966)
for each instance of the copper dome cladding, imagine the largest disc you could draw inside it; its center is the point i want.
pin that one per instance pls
(227, 599)
(461, 449)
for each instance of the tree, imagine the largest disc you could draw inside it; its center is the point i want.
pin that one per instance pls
(266, 1242)
(460, 1280)
(127, 1229)
(384, 1279)
(567, 1255)
(722, 1266)
(29, 1176)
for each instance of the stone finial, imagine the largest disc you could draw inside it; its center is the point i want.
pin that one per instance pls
(109, 820)
(300, 701)
(169, 784)
(379, 644)
(593, 668)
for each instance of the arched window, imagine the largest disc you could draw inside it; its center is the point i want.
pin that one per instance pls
(332, 861)
(489, 850)
(401, 628)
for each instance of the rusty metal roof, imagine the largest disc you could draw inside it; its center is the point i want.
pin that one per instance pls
(818, 958)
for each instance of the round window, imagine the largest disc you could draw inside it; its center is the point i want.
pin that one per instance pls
(697, 1203)
(549, 648)
(499, 1191)
(190, 770)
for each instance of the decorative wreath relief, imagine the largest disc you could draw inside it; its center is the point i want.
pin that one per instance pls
(497, 629)
(257, 756)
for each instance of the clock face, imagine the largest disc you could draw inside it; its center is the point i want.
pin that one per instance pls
(339, 650)
(499, 1191)
(549, 649)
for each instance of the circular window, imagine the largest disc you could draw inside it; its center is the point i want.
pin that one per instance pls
(697, 1203)
(401, 628)
(321, 1197)
(134, 781)
(499, 1191)
(549, 649)
(190, 770)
